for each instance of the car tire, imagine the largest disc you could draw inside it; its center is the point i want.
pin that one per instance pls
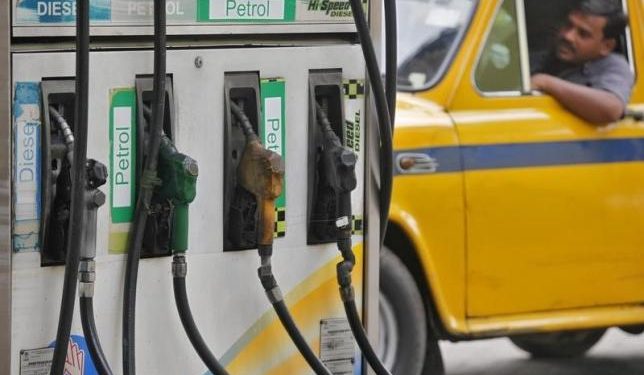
(558, 344)
(403, 343)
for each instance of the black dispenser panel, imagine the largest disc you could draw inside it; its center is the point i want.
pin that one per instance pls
(325, 91)
(156, 240)
(58, 104)
(240, 206)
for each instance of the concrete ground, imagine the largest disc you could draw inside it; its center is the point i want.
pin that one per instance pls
(617, 353)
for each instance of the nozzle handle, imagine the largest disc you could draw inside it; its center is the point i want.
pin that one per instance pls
(266, 221)
(180, 227)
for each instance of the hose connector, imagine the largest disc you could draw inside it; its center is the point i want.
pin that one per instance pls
(86, 277)
(265, 273)
(343, 270)
(179, 266)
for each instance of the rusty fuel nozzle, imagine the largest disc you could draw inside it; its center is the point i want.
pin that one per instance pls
(261, 172)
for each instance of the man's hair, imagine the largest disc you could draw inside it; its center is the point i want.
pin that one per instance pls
(616, 20)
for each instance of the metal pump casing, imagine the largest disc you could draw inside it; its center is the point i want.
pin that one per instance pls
(227, 299)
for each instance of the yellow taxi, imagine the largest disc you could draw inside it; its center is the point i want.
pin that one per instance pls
(511, 216)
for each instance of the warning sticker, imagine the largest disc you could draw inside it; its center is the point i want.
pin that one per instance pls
(340, 367)
(337, 346)
(36, 361)
(77, 362)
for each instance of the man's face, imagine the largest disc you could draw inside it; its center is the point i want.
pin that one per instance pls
(582, 39)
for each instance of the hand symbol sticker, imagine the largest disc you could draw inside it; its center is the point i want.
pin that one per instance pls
(75, 361)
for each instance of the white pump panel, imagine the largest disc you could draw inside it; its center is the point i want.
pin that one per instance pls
(227, 299)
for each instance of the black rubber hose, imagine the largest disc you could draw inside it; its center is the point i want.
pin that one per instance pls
(89, 329)
(79, 178)
(183, 306)
(244, 121)
(362, 339)
(384, 120)
(146, 190)
(297, 338)
(391, 58)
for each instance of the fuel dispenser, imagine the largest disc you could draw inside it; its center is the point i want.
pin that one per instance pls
(238, 105)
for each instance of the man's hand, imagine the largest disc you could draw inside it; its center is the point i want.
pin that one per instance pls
(541, 81)
(593, 105)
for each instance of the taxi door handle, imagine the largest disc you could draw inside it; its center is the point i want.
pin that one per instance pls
(634, 114)
(408, 163)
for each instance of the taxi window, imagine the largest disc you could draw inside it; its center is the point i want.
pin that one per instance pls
(499, 66)
(429, 34)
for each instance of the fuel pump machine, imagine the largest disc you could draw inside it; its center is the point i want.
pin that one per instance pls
(145, 171)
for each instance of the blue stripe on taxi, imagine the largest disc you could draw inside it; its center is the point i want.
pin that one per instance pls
(524, 155)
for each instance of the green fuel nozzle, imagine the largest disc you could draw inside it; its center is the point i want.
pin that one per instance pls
(179, 175)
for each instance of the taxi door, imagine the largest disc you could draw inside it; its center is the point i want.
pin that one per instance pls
(554, 205)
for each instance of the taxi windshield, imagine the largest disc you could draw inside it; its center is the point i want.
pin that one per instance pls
(429, 32)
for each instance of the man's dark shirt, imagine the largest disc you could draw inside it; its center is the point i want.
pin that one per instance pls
(611, 73)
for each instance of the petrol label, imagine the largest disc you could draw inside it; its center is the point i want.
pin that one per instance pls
(142, 11)
(26, 166)
(246, 10)
(122, 165)
(272, 133)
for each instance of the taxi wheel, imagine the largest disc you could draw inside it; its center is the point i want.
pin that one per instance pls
(403, 343)
(558, 344)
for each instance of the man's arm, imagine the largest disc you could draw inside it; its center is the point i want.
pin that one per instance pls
(593, 105)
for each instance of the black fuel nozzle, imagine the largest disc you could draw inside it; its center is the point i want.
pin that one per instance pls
(339, 163)
(96, 174)
(94, 199)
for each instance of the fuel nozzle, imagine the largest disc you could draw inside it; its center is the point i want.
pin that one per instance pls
(261, 172)
(179, 175)
(339, 164)
(94, 198)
